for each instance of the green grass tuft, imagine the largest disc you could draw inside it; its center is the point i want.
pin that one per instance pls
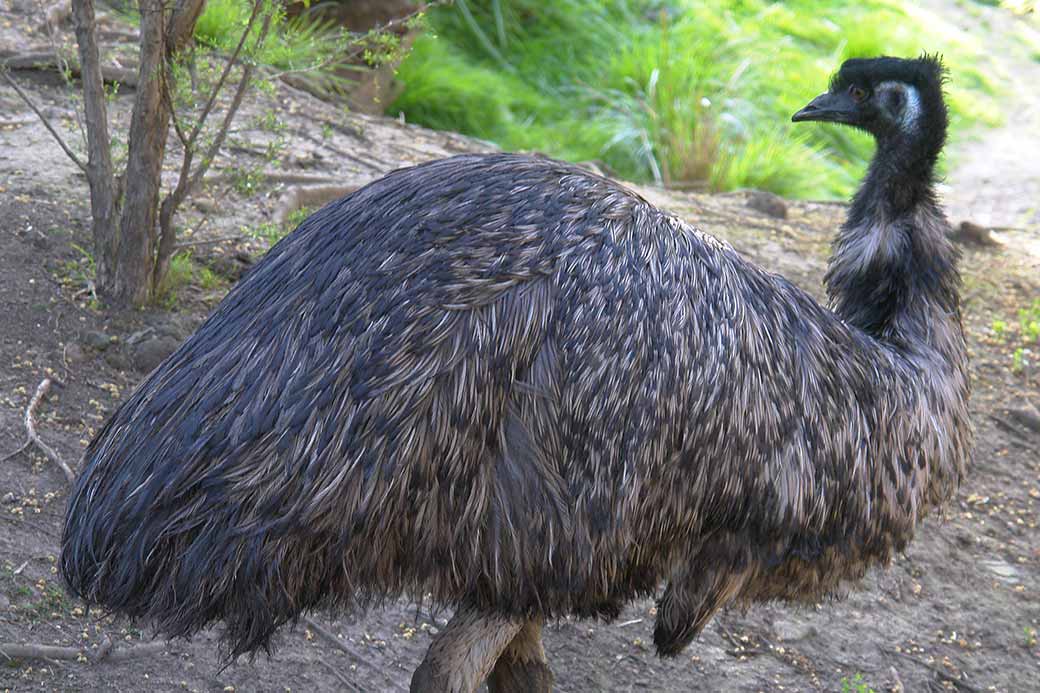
(292, 43)
(681, 93)
(185, 272)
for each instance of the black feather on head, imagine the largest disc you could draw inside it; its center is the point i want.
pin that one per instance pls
(926, 74)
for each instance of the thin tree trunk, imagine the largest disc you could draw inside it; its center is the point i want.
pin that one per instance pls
(104, 198)
(182, 25)
(149, 127)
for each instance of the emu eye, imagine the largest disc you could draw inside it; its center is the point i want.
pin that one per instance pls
(857, 93)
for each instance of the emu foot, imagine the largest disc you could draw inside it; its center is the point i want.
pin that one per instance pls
(463, 654)
(522, 667)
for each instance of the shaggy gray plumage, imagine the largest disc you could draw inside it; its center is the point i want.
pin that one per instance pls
(503, 380)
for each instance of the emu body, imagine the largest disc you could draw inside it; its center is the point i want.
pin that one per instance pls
(521, 388)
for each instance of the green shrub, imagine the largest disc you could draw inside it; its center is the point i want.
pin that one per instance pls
(682, 93)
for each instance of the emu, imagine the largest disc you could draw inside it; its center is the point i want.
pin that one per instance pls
(518, 389)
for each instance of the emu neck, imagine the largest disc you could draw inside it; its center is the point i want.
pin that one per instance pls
(900, 178)
(893, 270)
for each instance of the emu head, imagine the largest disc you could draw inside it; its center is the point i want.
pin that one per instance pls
(898, 101)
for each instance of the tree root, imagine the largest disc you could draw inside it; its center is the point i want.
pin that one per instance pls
(32, 438)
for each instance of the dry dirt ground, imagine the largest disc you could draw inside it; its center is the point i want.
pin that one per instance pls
(959, 611)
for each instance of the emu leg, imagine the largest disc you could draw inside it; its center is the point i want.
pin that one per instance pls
(462, 655)
(522, 666)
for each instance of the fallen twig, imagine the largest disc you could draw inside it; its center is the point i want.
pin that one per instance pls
(34, 439)
(330, 638)
(339, 675)
(16, 122)
(937, 671)
(277, 177)
(300, 196)
(210, 241)
(105, 652)
(1014, 430)
(48, 60)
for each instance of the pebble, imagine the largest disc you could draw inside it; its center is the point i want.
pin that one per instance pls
(97, 340)
(768, 203)
(792, 631)
(1026, 416)
(74, 353)
(1003, 570)
(151, 352)
(117, 359)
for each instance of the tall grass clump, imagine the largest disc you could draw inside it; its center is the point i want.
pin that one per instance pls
(681, 93)
(294, 43)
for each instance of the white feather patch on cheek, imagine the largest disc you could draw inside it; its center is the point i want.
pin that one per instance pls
(911, 104)
(912, 108)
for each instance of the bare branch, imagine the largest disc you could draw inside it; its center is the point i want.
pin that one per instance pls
(227, 70)
(229, 116)
(46, 123)
(187, 179)
(173, 116)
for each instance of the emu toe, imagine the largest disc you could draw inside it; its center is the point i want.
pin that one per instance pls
(515, 676)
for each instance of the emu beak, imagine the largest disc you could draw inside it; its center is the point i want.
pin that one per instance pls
(828, 107)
